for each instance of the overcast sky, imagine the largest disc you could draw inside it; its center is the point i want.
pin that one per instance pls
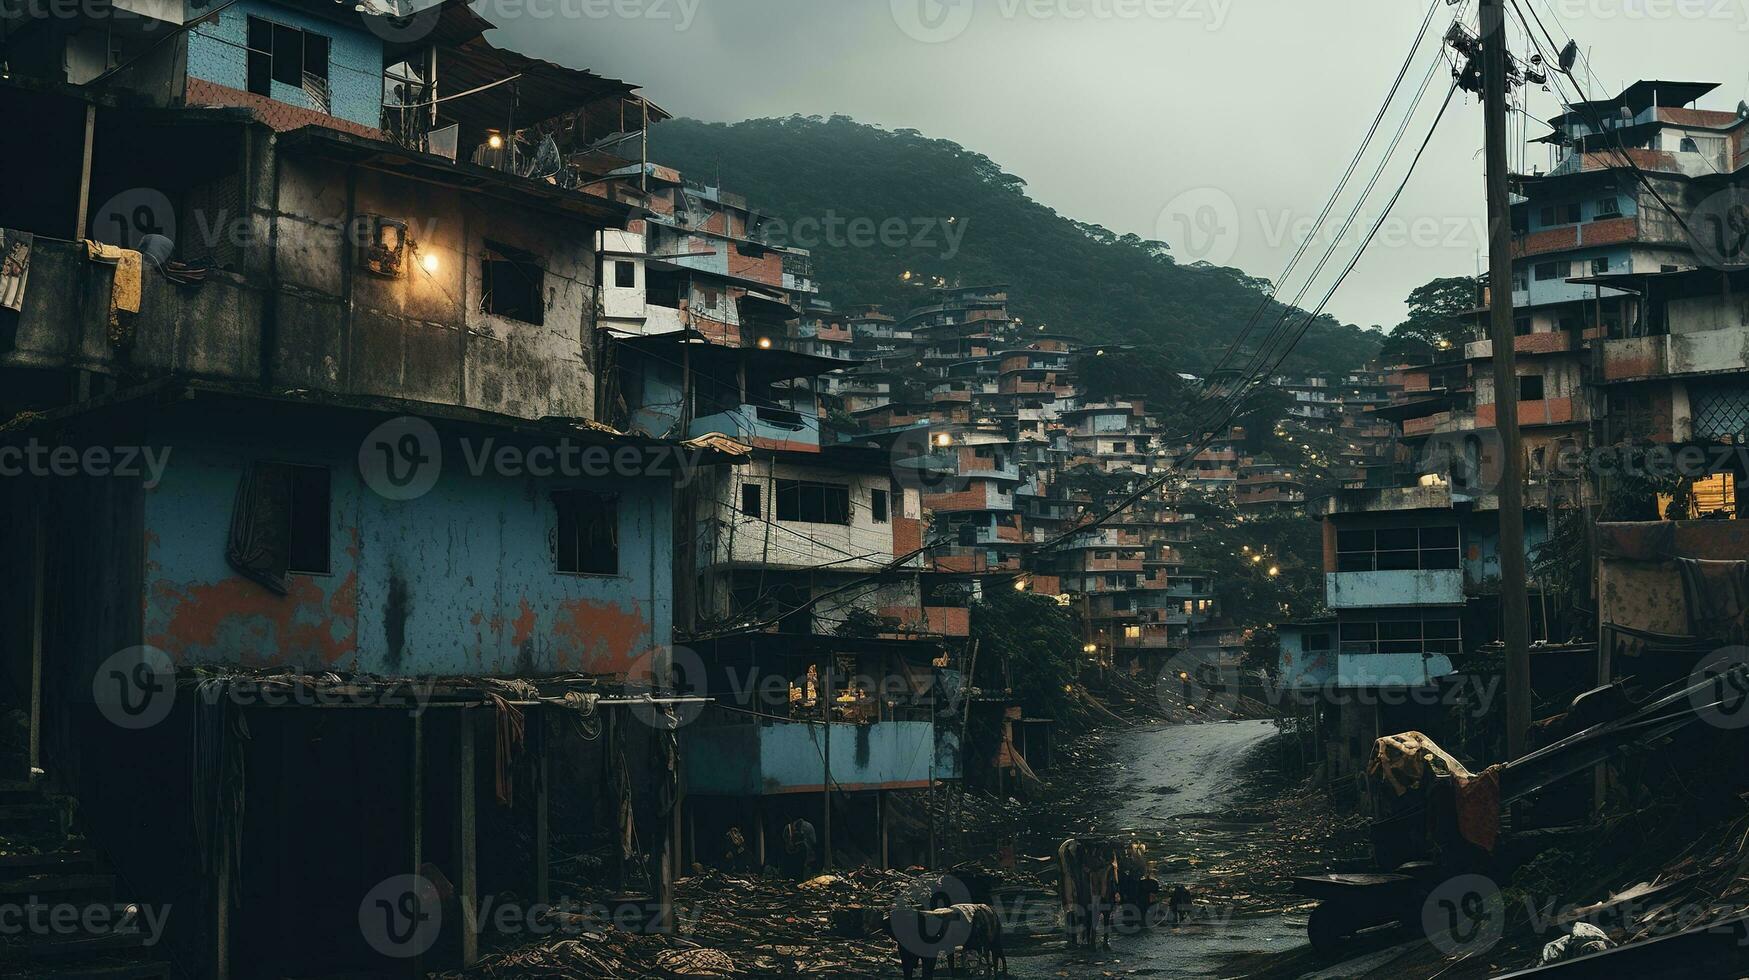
(1220, 126)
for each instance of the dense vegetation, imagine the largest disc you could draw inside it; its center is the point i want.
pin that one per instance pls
(817, 176)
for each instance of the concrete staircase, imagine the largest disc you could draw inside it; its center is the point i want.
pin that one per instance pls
(58, 903)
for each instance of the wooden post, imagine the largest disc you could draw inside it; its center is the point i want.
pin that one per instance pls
(222, 914)
(470, 878)
(883, 819)
(81, 231)
(759, 831)
(825, 691)
(543, 845)
(39, 571)
(416, 806)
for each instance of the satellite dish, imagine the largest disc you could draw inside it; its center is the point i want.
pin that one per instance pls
(1743, 110)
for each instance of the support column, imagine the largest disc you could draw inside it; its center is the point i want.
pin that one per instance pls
(470, 884)
(416, 809)
(39, 571)
(759, 831)
(543, 845)
(883, 820)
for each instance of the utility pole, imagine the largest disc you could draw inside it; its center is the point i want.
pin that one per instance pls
(1514, 603)
(825, 691)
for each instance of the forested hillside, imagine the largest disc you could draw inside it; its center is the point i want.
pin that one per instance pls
(875, 205)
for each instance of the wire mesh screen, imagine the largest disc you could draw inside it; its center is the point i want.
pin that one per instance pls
(1721, 411)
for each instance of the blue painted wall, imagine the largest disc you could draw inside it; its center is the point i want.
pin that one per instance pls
(216, 53)
(786, 757)
(461, 581)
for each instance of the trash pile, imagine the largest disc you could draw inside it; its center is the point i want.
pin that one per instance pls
(732, 925)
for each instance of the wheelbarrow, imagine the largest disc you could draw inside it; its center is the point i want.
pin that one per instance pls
(1349, 903)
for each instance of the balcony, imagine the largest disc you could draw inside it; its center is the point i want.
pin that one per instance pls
(769, 758)
(1551, 342)
(1716, 351)
(928, 620)
(1366, 590)
(763, 427)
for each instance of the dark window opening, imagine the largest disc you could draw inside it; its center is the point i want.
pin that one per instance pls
(1530, 388)
(307, 549)
(1553, 270)
(280, 524)
(813, 503)
(1397, 549)
(588, 534)
(750, 500)
(511, 284)
(1600, 265)
(625, 274)
(289, 56)
(877, 503)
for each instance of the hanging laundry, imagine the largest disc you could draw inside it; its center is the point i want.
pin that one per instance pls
(124, 296)
(15, 249)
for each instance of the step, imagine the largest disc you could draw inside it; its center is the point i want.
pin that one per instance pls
(65, 949)
(19, 791)
(57, 885)
(17, 815)
(109, 969)
(72, 861)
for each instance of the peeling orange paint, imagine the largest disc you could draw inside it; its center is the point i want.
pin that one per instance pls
(604, 637)
(253, 625)
(524, 625)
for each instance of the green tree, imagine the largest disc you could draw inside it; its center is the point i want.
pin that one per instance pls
(1437, 317)
(971, 223)
(1039, 641)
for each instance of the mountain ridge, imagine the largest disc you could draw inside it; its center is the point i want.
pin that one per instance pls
(888, 211)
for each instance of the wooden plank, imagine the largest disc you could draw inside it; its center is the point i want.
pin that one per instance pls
(543, 847)
(470, 884)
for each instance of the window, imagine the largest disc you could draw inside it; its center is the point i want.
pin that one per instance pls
(1609, 207)
(625, 274)
(877, 503)
(813, 503)
(281, 524)
(750, 500)
(1688, 145)
(511, 284)
(1553, 270)
(1397, 549)
(1521, 325)
(588, 535)
(1560, 214)
(1411, 634)
(1520, 281)
(1314, 642)
(307, 549)
(289, 56)
(1600, 265)
(1530, 388)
